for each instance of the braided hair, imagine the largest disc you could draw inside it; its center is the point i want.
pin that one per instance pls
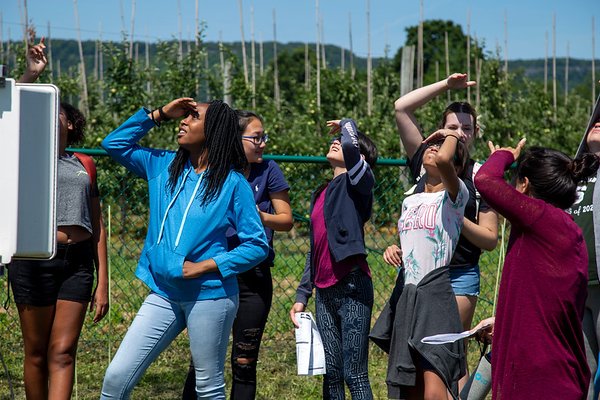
(223, 147)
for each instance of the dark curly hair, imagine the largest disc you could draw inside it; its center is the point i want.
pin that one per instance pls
(77, 120)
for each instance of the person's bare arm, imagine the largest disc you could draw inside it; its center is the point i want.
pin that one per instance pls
(445, 162)
(282, 219)
(405, 107)
(484, 233)
(99, 302)
(36, 63)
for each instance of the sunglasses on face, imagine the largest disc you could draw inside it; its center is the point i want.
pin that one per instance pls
(336, 138)
(257, 140)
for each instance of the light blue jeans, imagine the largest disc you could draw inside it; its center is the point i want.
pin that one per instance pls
(156, 325)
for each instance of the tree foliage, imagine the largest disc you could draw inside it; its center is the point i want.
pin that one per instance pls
(434, 48)
(512, 106)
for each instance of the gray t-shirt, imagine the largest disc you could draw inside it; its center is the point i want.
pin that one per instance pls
(74, 192)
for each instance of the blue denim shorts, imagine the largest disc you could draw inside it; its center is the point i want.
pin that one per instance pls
(465, 280)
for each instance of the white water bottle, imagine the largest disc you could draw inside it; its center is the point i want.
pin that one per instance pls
(480, 382)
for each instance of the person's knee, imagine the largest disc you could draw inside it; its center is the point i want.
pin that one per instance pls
(209, 388)
(35, 351)
(245, 361)
(435, 394)
(335, 377)
(62, 355)
(61, 360)
(358, 383)
(116, 381)
(37, 359)
(244, 369)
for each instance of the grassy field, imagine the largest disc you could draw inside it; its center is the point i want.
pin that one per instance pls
(277, 364)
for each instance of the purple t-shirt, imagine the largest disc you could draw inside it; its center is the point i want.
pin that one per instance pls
(265, 178)
(328, 272)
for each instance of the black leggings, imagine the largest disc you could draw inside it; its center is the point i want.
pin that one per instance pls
(256, 293)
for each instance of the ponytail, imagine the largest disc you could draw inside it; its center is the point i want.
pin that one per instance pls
(553, 175)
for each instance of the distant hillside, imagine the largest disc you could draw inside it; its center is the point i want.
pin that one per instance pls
(580, 71)
(66, 51)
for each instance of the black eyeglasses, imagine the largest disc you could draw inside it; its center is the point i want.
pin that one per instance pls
(338, 138)
(257, 140)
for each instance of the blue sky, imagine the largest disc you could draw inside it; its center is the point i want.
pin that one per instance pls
(528, 21)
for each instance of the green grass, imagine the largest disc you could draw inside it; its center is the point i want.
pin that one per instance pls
(277, 365)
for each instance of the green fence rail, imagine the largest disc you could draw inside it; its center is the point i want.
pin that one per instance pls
(124, 201)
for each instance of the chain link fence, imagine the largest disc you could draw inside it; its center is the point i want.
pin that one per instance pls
(125, 212)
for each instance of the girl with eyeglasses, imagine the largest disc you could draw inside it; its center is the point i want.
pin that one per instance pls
(272, 200)
(423, 301)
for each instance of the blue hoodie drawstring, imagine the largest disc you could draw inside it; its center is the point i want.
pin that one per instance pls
(187, 209)
(162, 225)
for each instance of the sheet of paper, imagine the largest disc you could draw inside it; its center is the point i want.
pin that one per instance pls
(309, 347)
(443, 338)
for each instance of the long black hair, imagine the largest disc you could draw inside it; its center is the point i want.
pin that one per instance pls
(223, 147)
(553, 175)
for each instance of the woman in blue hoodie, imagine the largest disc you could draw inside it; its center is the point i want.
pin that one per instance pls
(196, 194)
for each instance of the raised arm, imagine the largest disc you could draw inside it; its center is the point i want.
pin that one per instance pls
(445, 161)
(518, 208)
(36, 63)
(359, 171)
(122, 143)
(405, 107)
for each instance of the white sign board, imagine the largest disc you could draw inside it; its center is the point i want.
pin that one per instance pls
(29, 127)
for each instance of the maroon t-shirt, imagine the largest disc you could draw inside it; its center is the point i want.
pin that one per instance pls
(328, 272)
(538, 348)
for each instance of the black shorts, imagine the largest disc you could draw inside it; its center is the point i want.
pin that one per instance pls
(67, 276)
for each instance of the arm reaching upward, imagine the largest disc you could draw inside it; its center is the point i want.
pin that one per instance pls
(520, 209)
(36, 63)
(405, 107)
